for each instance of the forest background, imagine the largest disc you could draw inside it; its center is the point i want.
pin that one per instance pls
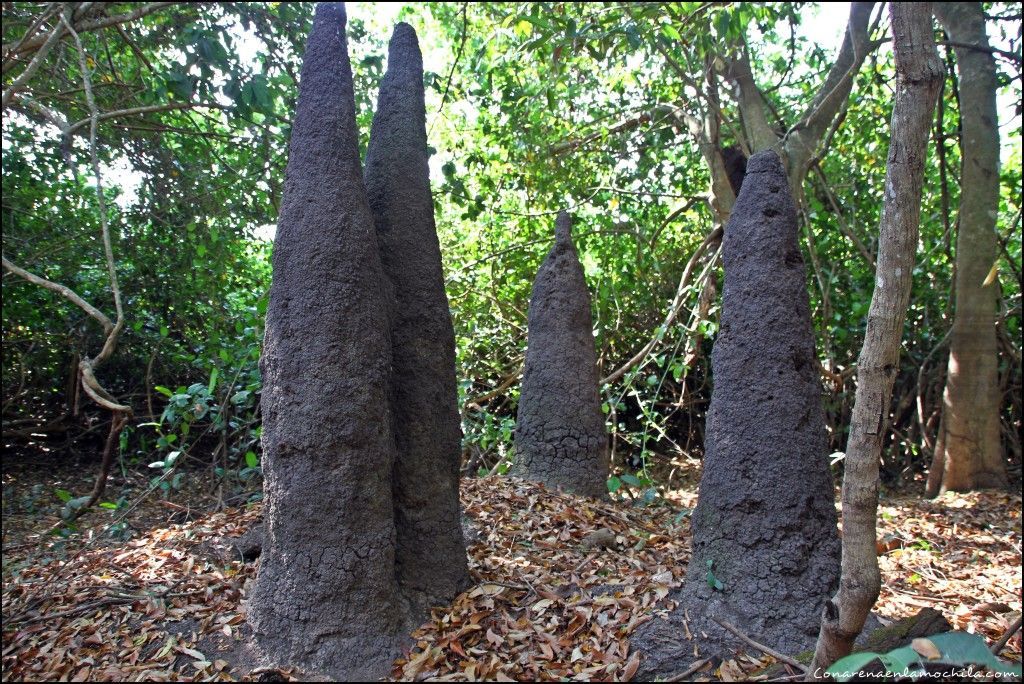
(531, 108)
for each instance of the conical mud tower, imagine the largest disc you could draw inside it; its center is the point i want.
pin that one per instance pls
(430, 552)
(765, 544)
(324, 598)
(560, 438)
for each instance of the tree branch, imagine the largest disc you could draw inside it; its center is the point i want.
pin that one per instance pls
(45, 46)
(673, 312)
(91, 25)
(112, 335)
(63, 291)
(801, 141)
(149, 109)
(29, 33)
(759, 132)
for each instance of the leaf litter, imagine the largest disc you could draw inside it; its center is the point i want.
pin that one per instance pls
(548, 603)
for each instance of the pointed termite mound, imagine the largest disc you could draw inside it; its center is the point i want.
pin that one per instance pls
(324, 598)
(560, 437)
(430, 552)
(765, 545)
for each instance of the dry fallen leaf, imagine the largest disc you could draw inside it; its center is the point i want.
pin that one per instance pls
(926, 648)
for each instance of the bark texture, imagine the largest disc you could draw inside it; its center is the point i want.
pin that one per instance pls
(735, 166)
(968, 454)
(560, 437)
(918, 76)
(430, 553)
(324, 596)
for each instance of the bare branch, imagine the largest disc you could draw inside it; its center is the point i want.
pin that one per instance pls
(30, 33)
(33, 66)
(760, 134)
(674, 309)
(112, 335)
(93, 388)
(149, 109)
(63, 291)
(801, 141)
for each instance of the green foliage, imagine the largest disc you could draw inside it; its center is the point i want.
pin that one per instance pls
(713, 582)
(530, 109)
(954, 654)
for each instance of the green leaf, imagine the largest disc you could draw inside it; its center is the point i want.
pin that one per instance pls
(713, 581)
(64, 495)
(614, 484)
(213, 381)
(259, 95)
(109, 505)
(251, 459)
(963, 648)
(632, 480)
(845, 669)
(179, 84)
(901, 661)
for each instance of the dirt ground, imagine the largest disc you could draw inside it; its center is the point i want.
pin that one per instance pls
(155, 590)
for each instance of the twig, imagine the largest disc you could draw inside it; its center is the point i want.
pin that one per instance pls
(458, 56)
(1003, 640)
(674, 309)
(72, 611)
(782, 658)
(11, 91)
(92, 25)
(685, 674)
(583, 562)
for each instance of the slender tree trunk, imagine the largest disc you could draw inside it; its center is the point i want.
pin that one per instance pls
(918, 73)
(968, 453)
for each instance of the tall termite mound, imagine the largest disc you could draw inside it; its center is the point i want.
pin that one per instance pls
(430, 552)
(765, 543)
(344, 533)
(323, 598)
(560, 437)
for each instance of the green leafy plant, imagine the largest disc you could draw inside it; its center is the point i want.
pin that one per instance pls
(713, 582)
(952, 655)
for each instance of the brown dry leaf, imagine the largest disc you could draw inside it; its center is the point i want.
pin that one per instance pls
(632, 665)
(541, 608)
(926, 648)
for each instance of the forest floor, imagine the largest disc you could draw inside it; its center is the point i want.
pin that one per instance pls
(164, 600)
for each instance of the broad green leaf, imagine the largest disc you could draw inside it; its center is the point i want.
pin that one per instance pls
(845, 669)
(632, 480)
(963, 647)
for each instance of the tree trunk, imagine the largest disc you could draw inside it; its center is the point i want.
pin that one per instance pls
(430, 554)
(918, 75)
(560, 436)
(968, 454)
(325, 598)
